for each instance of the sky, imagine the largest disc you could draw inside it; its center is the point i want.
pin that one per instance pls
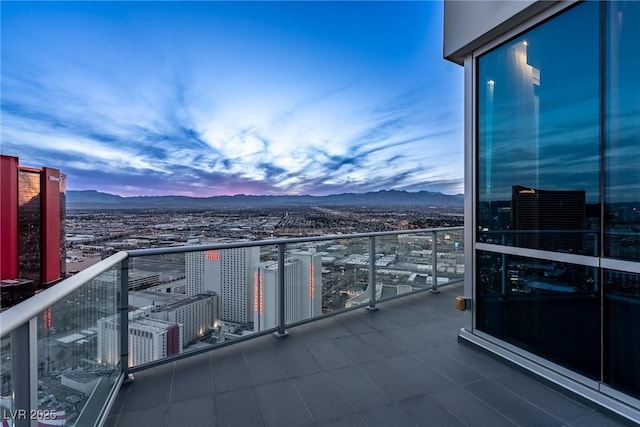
(222, 98)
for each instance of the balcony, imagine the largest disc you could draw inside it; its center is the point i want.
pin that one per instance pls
(387, 355)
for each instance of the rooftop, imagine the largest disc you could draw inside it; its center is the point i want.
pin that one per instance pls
(401, 365)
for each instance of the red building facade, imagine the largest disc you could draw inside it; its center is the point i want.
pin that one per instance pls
(32, 231)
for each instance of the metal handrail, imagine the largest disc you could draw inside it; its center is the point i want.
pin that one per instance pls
(272, 242)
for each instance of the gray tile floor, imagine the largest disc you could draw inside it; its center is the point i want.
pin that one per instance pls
(399, 366)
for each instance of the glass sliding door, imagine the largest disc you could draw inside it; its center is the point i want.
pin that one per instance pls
(549, 308)
(538, 175)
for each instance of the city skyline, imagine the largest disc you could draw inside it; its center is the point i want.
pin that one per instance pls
(223, 98)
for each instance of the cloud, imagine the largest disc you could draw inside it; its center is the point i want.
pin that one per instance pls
(183, 115)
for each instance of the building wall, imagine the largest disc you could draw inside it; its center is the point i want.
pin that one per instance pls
(108, 341)
(53, 254)
(8, 217)
(308, 293)
(470, 24)
(149, 339)
(227, 273)
(265, 299)
(32, 216)
(197, 315)
(29, 224)
(303, 290)
(552, 203)
(194, 273)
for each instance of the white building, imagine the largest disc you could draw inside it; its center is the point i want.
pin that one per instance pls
(303, 290)
(196, 314)
(228, 273)
(149, 339)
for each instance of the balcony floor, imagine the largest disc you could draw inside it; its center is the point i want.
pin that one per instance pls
(399, 366)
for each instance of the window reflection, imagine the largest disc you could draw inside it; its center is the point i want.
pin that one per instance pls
(543, 140)
(622, 339)
(538, 129)
(622, 219)
(549, 308)
(29, 229)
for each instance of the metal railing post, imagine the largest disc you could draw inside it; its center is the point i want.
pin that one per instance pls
(24, 359)
(434, 262)
(372, 274)
(281, 332)
(124, 315)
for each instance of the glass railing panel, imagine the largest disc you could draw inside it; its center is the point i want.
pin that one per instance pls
(187, 302)
(412, 262)
(403, 264)
(6, 384)
(325, 276)
(449, 256)
(164, 272)
(79, 351)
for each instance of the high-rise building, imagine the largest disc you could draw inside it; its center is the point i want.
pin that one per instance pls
(229, 274)
(197, 314)
(551, 102)
(149, 339)
(32, 230)
(304, 299)
(302, 285)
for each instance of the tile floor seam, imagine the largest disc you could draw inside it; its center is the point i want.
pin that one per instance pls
(124, 398)
(360, 418)
(447, 376)
(284, 365)
(342, 394)
(578, 418)
(391, 399)
(382, 357)
(295, 387)
(520, 396)
(426, 366)
(117, 420)
(428, 396)
(497, 411)
(213, 386)
(534, 404)
(395, 403)
(173, 373)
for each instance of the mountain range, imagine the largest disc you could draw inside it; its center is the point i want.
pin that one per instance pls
(91, 199)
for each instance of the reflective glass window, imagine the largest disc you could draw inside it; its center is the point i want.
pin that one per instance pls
(622, 125)
(621, 333)
(29, 227)
(538, 137)
(549, 308)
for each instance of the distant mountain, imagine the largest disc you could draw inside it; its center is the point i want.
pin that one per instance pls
(91, 199)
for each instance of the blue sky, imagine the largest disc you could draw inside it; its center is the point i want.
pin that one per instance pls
(212, 98)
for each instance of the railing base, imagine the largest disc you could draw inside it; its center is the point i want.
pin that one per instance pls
(282, 334)
(434, 291)
(374, 308)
